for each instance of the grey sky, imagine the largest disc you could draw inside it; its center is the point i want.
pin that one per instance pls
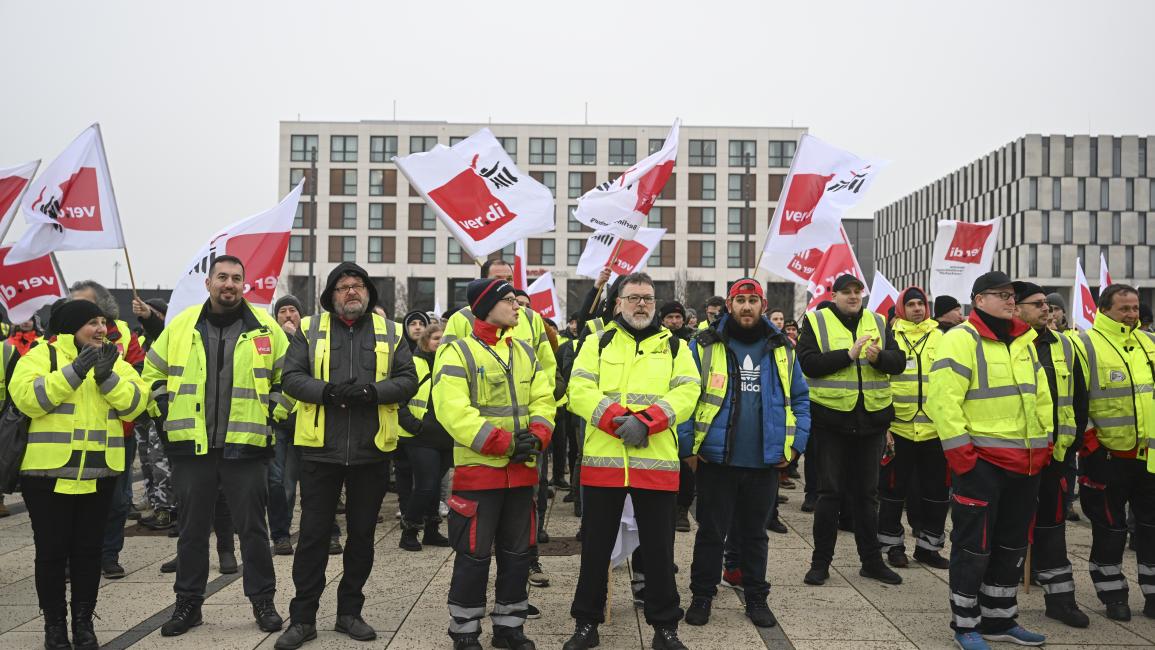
(189, 94)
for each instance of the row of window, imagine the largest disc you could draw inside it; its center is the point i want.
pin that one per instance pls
(543, 151)
(540, 252)
(1063, 263)
(1093, 153)
(1102, 185)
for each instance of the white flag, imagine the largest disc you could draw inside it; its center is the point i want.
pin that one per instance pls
(483, 199)
(519, 257)
(13, 182)
(962, 252)
(883, 295)
(1104, 274)
(260, 241)
(25, 287)
(1083, 308)
(834, 262)
(70, 206)
(631, 257)
(823, 183)
(621, 206)
(543, 297)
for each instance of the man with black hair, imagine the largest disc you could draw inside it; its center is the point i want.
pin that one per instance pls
(947, 312)
(714, 308)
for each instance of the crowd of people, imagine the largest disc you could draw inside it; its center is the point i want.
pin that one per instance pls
(991, 418)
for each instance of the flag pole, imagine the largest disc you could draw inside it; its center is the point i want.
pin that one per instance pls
(119, 223)
(599, 285)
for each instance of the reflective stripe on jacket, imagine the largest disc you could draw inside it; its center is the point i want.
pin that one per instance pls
(839, 391)
(910, 389)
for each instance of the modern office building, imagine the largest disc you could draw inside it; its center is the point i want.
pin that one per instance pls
(370, 215)
(1059, 198)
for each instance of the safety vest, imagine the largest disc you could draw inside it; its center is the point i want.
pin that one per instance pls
(75, 434)
(624, 375)
(310, 428)
(175, 365)
(419, 403)
(909, 390)
(1063, 360)
(986, 397)
(716, 381)
(839, 391)
(530, 328)
(10, 352)
(478, 389)
(1119, 384)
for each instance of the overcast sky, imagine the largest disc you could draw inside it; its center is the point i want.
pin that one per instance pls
(189, 95)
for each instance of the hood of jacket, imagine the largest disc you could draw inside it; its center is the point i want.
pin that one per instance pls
(342, 269)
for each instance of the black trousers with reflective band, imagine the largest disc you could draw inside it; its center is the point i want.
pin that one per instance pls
(1106, 487)
(1049, 550)
(925, 463)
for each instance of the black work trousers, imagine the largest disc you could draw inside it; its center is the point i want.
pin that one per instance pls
(734, 504)
(847, 473)
(925, 462)
(1049, 549)
(428, 466)
(321, 483)
(1107, 486)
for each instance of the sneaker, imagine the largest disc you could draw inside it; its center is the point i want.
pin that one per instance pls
(185, 615)
(699, 611)
(228, 562)
(1067, 613)
(408, 541)
(355, 627)
(532, 613)
(817, 575)
(335, 547)
(932, 559)
(682, 523)
(785, 483)
(896, 556)
(283, 546)
(443, 510)
(471, 641)
(111, 569)
(542, 536)
(266, 614)
(878, 570)
(666, 638)
(775, 525)
(296, 636)
(433, 536)
(561, 484)
(585, 636)
(1119, 612)
(537, 575)
(732, 578)
(1018, 635)
(169, 567)
(760, 615)
(971, 641)
(569, 497)
(1073, 516)
(793, 473)
(808, 503)
(511, 637)
(158, 520)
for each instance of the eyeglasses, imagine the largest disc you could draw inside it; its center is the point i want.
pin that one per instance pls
(511, 300)
(1038, 304)
(1001, 295)
(645, 300)
(349, 288)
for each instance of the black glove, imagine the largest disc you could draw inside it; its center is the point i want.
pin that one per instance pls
(523, 443)
(85, 360)
(362, 394)
(632, 431)
(104, 363)
(331, 396)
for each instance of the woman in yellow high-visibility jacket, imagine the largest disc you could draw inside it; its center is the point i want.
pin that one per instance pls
(77, 391)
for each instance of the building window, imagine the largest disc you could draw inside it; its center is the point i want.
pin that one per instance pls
(573, 250)
(703, 153)
(1093, 227)
(343, 182)
(343, 148)
(737, 223)
(572, 224)
(1056, 194)
(306, 215)
(300, 249)
(510, 146)
(1068, 156)
(1033, 260)
(1032, 194)
(301, 147)
(1142, 158)
(422, 293)
(1129, 261)
(740, 150)
(421, 143)
(701, 253)
(781, 152)
(549, 179)
(376, 182)
(702, 187)
(1068, 228)
(1056, 261)
(774, 191)
(383, 250)
(543, 151)
(1094, 156)
(542, 252)
(382, 148)
(1081, 194)
(583, 151)
(655, 145)
(736, 183)
(1081, 254)
(383, 216)
(342, 216)
(1142, 229)
(623, 151)
(1116, 228)
(1046, 156)
(342, 249)
(456, 139)
(1104, 194)
(734, 254)
(580, 183)
(421, 217)
(457, 254)
(422, 250)
(1129, 193)
(702, 221)
(1116, 156)
(663, 255)
(662, 218)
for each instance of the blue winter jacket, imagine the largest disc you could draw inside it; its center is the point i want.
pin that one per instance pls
(717, 446)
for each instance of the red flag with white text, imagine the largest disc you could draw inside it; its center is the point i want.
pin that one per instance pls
(838, 260)
(543, 297)
(25, 287)
(13, 183)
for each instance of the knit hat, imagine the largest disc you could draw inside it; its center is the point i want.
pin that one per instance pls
(288, 300)
(73, 315)
(1024, 289)
(1055, 300)
(908, 294)
(671, 307)
(416, 314)
(944, 304)
(484, 294)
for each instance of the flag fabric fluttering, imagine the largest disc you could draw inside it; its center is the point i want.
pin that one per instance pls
(1104, 274)
(14, 181)
(836, 261)
(631, 256)
(883, 295)
(962, 252)
(543, 297)
(1083, 308)
(27, 286)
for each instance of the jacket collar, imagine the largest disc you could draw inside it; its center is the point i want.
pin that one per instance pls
(488, 333)
(1111, 328)
(903, 325)
(248, 318)
(1018, 327)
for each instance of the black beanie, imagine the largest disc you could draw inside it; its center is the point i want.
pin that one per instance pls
(288, 300)
(943, 304)
(483, 295)
(672, 307)
(73, 315)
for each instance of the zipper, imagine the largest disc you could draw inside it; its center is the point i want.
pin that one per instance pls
(349, 411)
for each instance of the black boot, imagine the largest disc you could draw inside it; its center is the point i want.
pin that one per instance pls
(1062, 608)
(83, 636)
(56, 629)
(666, 638)
(433, 536)
(585, 636)
(465, 641)
(511, 637)
(409, 540)
(186, 614)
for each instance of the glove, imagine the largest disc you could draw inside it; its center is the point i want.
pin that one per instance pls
(85, 360)
(330, 397)
(363, 394)
(632, 431)
(104, 363)
(523, 444)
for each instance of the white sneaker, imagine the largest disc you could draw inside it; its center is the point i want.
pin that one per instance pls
(443, 509)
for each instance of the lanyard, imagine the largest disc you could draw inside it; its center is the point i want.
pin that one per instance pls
(504, 366)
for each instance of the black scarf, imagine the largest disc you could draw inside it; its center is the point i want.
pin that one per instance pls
(1000, 326)
(746, 334)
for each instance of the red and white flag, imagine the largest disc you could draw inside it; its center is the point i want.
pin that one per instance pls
(1083, 309)
(70, 206)
(261, 242)
(823, 183)
(13, 182)
(519, 257)
(631, 256)
(883, 295)
(483, 199)
(962, 252)
(621, 206)
(543, 297)
(838, 260)
(1104, 274)
(25, 287)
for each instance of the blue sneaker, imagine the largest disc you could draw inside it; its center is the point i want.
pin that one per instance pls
(971, 641)
(1017, 635)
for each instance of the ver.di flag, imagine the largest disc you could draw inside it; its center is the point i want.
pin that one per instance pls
(13, 182)
(519, 257)
(631, 257)
(25, 287)
(883, 295)
(622, 205)
(962, 252)
(838, 260)
(1083, 309)
(70, 206)
(260, 241)
(543, 297)
(1104, 274)
(483, 199)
